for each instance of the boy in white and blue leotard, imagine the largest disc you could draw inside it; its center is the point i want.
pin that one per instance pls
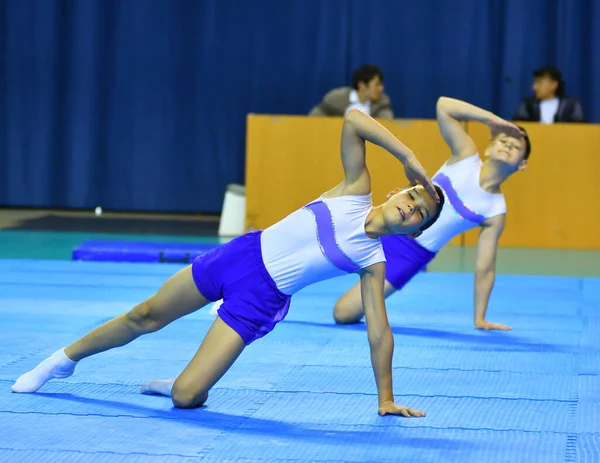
(257, 274)
(473, 199)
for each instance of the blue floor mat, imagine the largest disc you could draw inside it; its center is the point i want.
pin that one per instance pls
(306, 392)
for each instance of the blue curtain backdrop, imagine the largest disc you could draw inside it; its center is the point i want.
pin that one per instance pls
(141, 104)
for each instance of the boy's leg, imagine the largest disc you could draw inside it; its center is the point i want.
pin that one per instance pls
(349, 307)
(178, 297)
(218, 351)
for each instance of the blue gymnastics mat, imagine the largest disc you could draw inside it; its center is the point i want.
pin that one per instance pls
(305, 392)
(139, 251)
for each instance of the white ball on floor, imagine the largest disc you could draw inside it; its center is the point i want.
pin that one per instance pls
(214, 310)
(98, 211)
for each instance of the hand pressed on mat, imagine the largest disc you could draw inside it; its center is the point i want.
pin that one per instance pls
(390, 408)
(488, 326)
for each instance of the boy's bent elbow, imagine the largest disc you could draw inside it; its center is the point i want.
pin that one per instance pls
(380, 335)
(442, 102)
(353, 115)
(485, 272)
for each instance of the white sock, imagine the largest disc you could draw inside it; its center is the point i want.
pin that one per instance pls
(158, 387)
(58, 365)
(214, 310)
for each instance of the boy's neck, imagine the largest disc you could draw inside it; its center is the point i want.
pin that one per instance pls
(493, 174)
(374, 224)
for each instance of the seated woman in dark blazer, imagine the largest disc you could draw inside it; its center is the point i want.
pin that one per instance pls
(550, 104)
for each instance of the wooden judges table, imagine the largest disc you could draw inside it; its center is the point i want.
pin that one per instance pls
(291, 160)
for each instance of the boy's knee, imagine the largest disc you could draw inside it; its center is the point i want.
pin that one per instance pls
(143, 317)
(343, 314)
(186, 397)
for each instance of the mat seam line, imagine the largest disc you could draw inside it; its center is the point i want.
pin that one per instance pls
(362, 394)
(266, 396)
(104, 452)
(571, 427)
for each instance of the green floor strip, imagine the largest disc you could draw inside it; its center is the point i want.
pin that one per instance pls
(60, 245)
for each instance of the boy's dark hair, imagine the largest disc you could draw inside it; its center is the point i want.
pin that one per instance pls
(438, 209)
(365, 73)
(555, 74)
(527, 144)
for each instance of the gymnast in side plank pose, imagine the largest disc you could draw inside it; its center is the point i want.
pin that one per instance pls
(473, 199)
(257, 273)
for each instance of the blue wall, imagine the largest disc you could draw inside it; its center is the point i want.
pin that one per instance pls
(141, 104)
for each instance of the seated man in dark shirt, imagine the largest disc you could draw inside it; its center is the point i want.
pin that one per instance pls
(366, 94)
